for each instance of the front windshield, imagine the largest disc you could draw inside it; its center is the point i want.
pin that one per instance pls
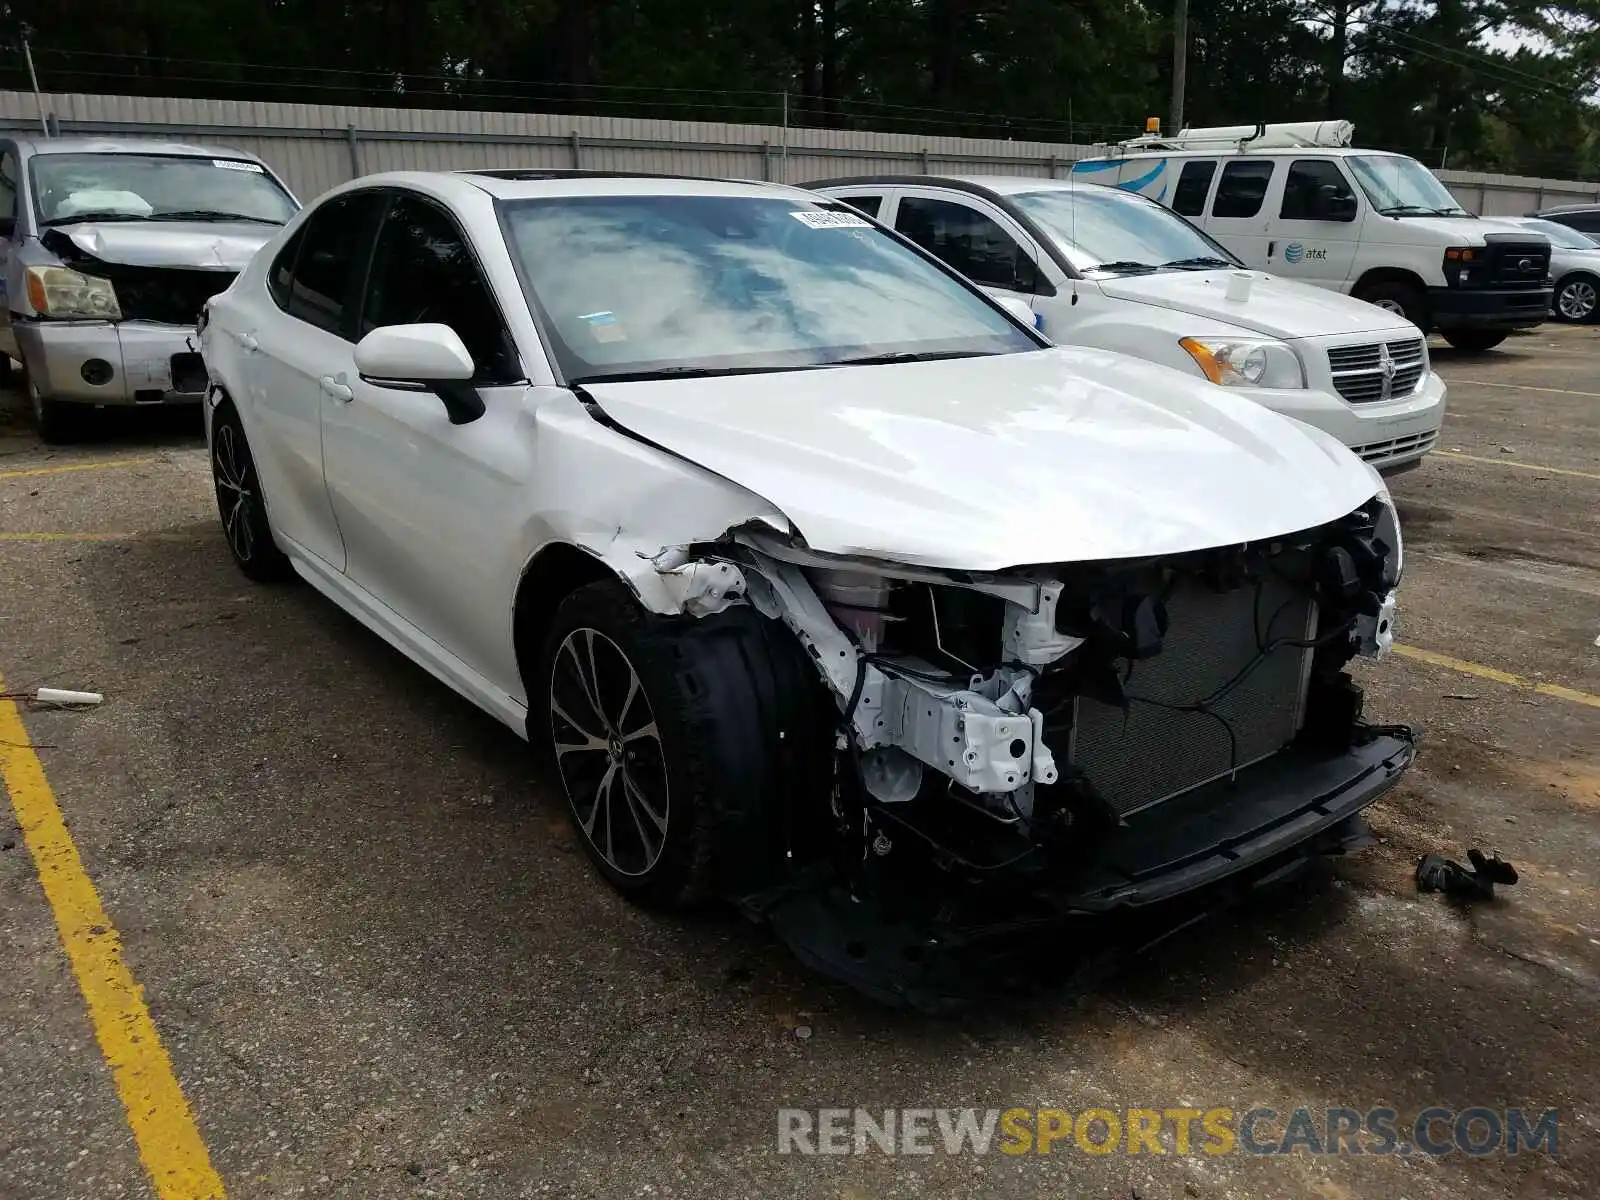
(1560, 235)
(1106, 231)
(632, 286)
(1399, 186)
(68, 188)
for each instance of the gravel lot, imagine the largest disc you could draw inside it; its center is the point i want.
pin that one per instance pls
(383, 969)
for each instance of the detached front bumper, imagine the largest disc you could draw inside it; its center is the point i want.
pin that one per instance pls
(1489, 308)
(101, 362)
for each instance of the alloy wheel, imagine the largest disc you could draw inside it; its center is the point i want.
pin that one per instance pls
(1577, 300)
(1389, 305)
(236, 491)
(608, 751)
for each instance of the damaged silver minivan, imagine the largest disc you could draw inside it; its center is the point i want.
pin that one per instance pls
(110, 249)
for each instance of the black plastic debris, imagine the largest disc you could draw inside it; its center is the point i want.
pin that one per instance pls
(1436, 873)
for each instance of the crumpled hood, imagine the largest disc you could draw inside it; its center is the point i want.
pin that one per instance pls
(1053, 456)
(203, 245)
(1280, 308)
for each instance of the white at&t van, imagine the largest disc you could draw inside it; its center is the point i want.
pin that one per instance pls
(1298, 200)
(1109, 269)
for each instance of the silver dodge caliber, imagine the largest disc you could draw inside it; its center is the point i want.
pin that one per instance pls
(110, 250)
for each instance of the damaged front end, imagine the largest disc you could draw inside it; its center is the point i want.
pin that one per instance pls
(117, 330)
(1020, 749)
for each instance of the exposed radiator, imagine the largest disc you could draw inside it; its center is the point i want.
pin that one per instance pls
(1151, 753)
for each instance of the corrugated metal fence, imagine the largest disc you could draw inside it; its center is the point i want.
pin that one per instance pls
(315, 146)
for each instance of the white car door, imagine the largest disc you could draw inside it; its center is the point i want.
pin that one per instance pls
(1317, 229)
(293, 348)
(427, 508)
(976, 238)
(1239, 217)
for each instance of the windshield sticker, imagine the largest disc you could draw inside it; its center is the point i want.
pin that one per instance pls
(603, 326)
(813, 218)
(233, 164)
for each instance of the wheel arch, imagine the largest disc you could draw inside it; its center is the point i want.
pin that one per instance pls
(1401, 275)
(554, 572)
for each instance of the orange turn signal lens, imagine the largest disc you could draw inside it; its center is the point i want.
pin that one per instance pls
(1203, 358)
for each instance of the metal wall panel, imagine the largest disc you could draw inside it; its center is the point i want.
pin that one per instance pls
(311, 146)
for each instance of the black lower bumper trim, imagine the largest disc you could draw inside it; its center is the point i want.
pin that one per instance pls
(1489, 308)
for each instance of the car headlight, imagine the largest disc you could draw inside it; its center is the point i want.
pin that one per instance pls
(1388, 530)
(58, 292)
(1245, 362)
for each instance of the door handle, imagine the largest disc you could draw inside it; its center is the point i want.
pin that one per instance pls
(334, 388)
(249, 342)
(1271, 246)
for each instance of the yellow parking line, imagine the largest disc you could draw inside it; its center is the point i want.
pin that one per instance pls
(163, 1125)
(1434, 659)
(64, 537)
(1522, 387)
(68, 468)
(1520, 466)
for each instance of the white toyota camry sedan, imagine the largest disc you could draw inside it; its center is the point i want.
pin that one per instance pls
(824, 584)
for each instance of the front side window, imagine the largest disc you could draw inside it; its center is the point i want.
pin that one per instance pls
(630, 285)
(961, 236)
(1243, 187)
(337, 238)
(68, 188)
(422, 272)
(1316, 190)
(1106, 231)
(1402, 187)
(1194, 185)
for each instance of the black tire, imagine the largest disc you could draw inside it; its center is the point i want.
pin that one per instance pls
(7, 373)
(57, 423)
(240, 502)
(1577, 299)
(702, 746)
(1403, 299)
(1475, 341)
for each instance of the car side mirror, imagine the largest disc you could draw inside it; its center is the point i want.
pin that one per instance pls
(1332, 203)
(1019, 309)
(422, 358)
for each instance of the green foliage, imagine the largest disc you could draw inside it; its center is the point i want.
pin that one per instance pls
(1506, 85)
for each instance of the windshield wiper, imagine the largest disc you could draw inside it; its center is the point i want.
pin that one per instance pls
(106, 215)
(904, 356)
(1125, 267)
(1204, 260)
(1395, 210)
(211, 214)
(684, 373)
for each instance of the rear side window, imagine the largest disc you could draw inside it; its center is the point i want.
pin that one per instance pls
(1302, 188)
(866, 204)
(1243, 187)
(965, 239)
(423, 272)
(332, 257)
(281, 273)
(1189, 200)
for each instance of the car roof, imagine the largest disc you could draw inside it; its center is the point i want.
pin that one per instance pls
(1112, 153)
(86, 145)
(529, 183)
(1589, 206)
(996, 185)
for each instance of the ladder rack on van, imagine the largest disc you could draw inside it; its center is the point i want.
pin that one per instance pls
(1294, 135)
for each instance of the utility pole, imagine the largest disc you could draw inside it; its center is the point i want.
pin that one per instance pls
(33, 76)
(1180, 60)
